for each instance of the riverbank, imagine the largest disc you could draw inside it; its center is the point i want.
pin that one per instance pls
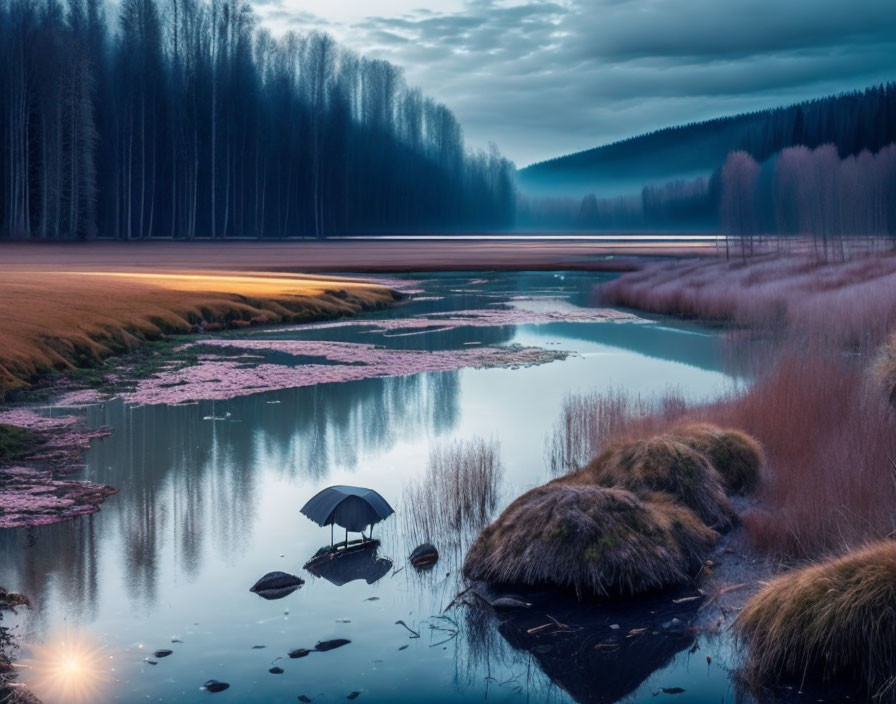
(65, 318)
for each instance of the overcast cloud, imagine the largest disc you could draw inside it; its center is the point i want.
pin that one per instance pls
(542, 78)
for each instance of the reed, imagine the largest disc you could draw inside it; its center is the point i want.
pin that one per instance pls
(457, 494)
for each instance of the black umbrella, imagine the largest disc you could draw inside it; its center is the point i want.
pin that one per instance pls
(352, 507)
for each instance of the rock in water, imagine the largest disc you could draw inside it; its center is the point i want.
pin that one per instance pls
(276, 585)
(299, 653)
(353, 695)
(276, 670)
(424, 556)
(164, 653)
(215, 686)
(325, 645)
(305, 699)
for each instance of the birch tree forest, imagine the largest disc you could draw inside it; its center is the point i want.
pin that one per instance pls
(185, 119)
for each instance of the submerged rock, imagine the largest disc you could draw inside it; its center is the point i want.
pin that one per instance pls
(353, 695)
(424, 556)
(299, 653)
(276, 585)
(325, 645)
(276, 670)
(215, 686)
(164, 653)
(304, 699)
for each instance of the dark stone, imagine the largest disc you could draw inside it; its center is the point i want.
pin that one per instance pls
(303, 698)
(353, 695)
(259, 647)
(424, 556)
(276, 670)
(299, 653)
(164, 653)
(673, 690)
(215, 686)
(325, 645)
(276, 585)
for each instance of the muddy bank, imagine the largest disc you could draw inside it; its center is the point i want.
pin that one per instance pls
(34, 489)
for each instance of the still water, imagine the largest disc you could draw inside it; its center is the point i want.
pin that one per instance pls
(209, 502)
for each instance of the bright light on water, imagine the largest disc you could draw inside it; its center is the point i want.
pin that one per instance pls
(67, 669)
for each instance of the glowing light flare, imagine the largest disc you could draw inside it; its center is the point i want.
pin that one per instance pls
(67, 669)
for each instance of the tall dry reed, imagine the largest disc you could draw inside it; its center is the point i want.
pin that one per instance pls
(456, 496)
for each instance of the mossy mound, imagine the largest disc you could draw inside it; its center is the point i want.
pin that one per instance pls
(667, 465)
(591, 539)
(736, 456)
(835, 621)
(15, 442)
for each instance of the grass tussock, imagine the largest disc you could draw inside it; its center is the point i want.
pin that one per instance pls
(738, 458)
(57, 320)
(828, 436)
(458, 493)
(591, 539)
(663, 464)
(835, 620)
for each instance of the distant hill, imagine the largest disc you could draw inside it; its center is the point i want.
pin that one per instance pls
(852, 121)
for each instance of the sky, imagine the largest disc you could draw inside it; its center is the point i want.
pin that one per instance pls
(542, 78)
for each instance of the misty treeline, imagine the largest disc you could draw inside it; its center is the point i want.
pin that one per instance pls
(681, 204)
(810, 192)
(796, 192)
(183, 118)
(858, 124)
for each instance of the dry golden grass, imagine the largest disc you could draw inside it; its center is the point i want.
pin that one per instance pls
(62, 319)
(591, 539)
(835, 620)
(662, 464)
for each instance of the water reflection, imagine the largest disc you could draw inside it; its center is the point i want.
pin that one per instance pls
(358, 562)
(191, 481)
(600, 655)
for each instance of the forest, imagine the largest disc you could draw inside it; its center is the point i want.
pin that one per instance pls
(852, 122)
(833, 174)
(185, 119)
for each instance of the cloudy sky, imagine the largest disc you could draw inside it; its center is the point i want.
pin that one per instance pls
(542, 78)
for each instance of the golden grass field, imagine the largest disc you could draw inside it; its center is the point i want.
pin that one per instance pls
(57, 314)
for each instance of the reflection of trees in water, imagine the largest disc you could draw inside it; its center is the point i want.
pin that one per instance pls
(61, 557)
(184, 481)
